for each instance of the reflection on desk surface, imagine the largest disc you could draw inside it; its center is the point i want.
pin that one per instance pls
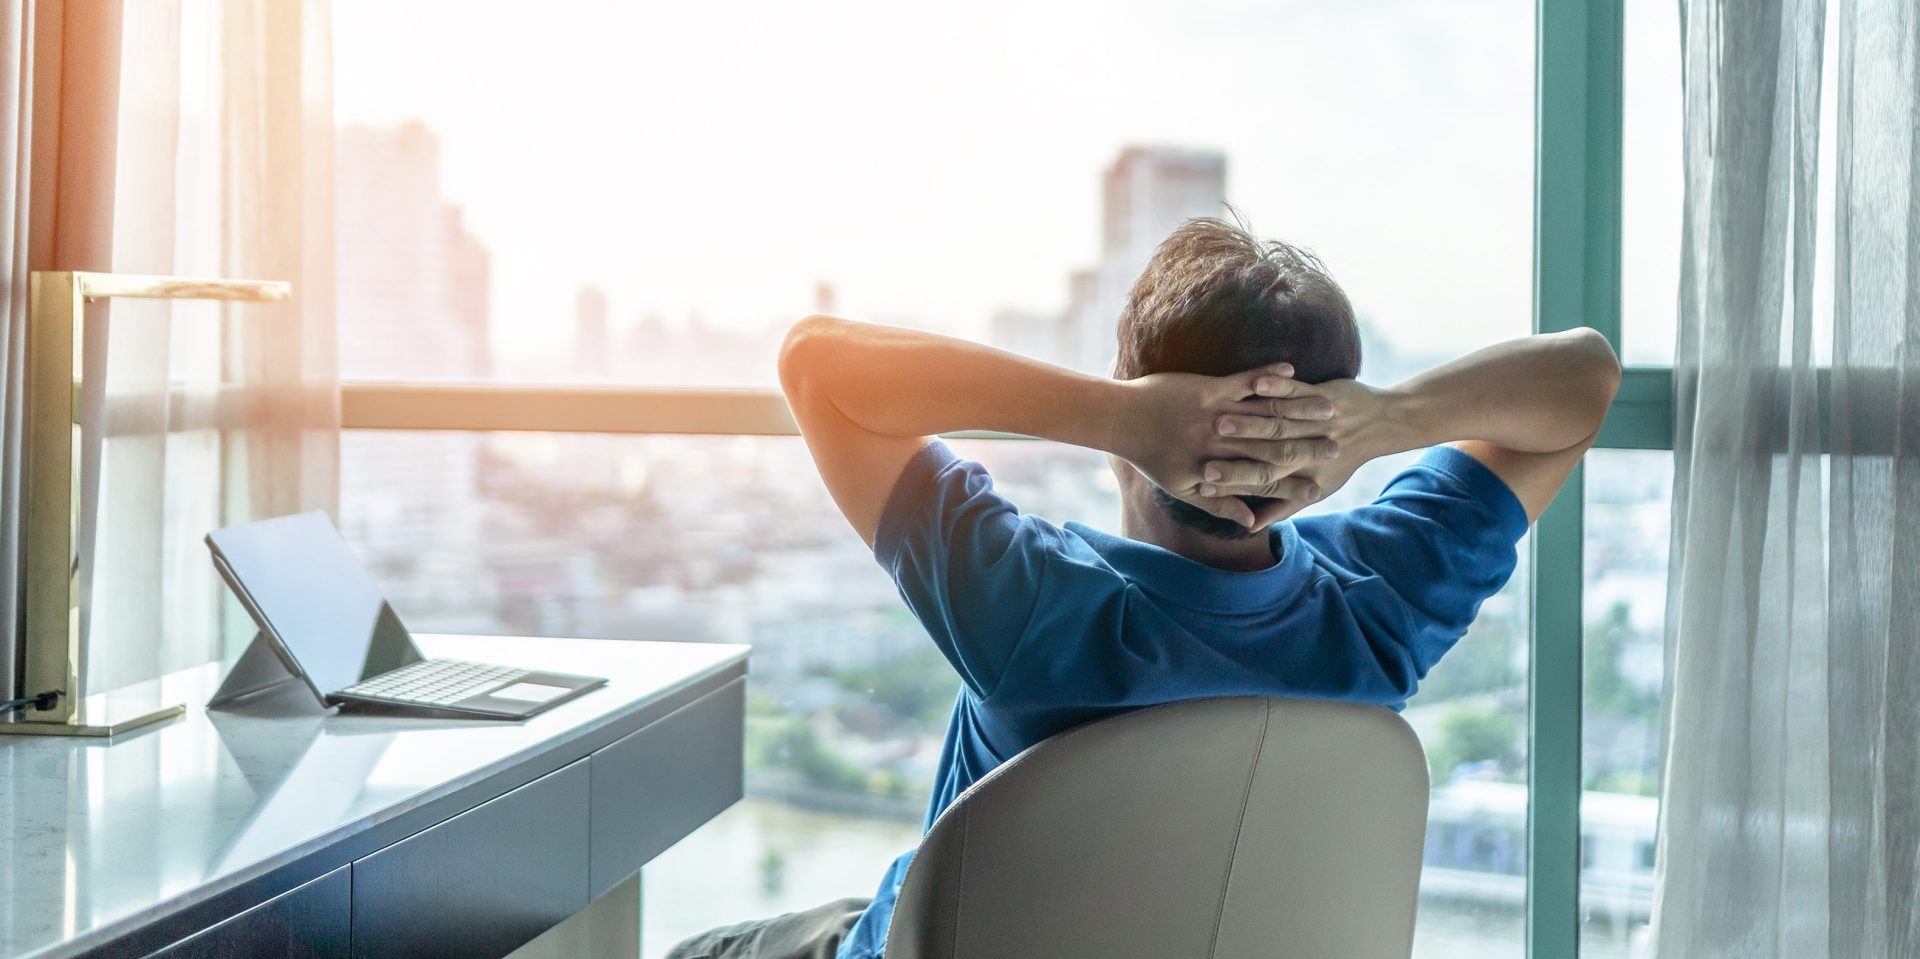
(99, 837)
(295, 787)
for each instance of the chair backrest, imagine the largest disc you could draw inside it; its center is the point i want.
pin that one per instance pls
(1218, 828)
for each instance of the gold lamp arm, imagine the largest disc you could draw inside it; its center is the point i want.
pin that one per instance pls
(53, 494)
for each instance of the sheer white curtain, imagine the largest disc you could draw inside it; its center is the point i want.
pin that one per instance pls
(212, 413)
(1788, 819)
(1874, 686)
(16, 118)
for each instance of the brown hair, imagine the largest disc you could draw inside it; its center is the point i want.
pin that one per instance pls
(1214, 299)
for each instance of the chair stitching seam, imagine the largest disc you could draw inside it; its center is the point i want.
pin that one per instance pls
(960, 894)
(1233, 851)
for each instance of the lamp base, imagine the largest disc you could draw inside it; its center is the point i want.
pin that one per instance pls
(99, 715)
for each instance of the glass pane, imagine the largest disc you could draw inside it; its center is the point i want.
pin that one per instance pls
(1471, 715)
(655, 190)
(1653, 188)
(1652, 184)
(631, 537)
(1629, 498)
(164, 477)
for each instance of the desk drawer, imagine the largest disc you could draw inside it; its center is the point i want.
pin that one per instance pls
(656, 785)
(482, 883)
(308, 922)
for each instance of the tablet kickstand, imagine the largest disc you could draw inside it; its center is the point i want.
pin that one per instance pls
(257, 670)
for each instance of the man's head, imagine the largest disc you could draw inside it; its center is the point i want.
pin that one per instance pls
(1214, 300)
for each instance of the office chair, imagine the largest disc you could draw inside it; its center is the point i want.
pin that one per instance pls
(1212, 829)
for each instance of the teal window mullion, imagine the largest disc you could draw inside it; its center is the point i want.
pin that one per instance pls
(1642, 413)
(1553, 728)
(1577, 135)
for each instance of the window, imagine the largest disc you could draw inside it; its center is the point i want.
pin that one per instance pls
(706, 181)
(1629, 499)
(1652, 183)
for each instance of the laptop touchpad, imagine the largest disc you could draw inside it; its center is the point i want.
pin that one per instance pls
(528, 692)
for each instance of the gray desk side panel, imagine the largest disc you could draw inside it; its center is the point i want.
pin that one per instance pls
(482, 883)
(657, 785)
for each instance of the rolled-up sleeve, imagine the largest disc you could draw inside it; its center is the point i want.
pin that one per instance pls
(1439, 540)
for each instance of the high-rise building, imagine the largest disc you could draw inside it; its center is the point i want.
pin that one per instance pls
(1146, 194)
(413, 304)
(1081, 325)
(413, 297)
(1150, 190)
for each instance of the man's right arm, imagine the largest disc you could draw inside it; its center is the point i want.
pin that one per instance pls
(868, 396)
(1528, 409)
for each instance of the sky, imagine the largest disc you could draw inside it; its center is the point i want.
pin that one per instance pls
(935, 164)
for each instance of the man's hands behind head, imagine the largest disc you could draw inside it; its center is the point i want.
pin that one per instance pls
(1357, 423)
(1210, 440)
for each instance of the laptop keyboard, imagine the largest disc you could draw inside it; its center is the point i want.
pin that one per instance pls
(435, 682)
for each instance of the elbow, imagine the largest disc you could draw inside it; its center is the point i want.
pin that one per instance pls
(1594, 366)
(802, 352)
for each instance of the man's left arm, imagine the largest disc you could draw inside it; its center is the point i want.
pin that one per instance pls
(1527, 409)
(869, 397)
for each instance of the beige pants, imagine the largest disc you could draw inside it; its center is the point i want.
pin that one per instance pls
(813, 934)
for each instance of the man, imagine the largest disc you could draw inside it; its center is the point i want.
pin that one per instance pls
(1233, 404)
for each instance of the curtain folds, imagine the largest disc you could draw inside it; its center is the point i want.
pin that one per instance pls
(16, 117)
(217, 413)
(1874, 684)
(1788, 826)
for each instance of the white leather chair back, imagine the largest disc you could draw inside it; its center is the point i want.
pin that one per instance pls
(1214, 829)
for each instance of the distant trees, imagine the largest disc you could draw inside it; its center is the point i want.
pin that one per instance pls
(902, 697)
(1479, 685)
(798, 747)
(1477, 734)
(1481, 662)
(1620, 737)
(917, 687)
(1608, 689)
(1487, 732)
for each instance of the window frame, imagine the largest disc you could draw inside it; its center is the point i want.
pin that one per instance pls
(1576, 282)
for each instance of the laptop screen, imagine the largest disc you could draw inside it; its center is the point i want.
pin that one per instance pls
(307, 589)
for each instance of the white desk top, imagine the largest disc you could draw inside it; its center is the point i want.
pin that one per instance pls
(100, 838)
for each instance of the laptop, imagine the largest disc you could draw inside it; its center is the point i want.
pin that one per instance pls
(321, 612)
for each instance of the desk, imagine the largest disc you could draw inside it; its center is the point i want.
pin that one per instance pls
(226, 832)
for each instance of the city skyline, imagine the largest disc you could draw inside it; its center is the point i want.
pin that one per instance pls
(731, 169)
(418, 297)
